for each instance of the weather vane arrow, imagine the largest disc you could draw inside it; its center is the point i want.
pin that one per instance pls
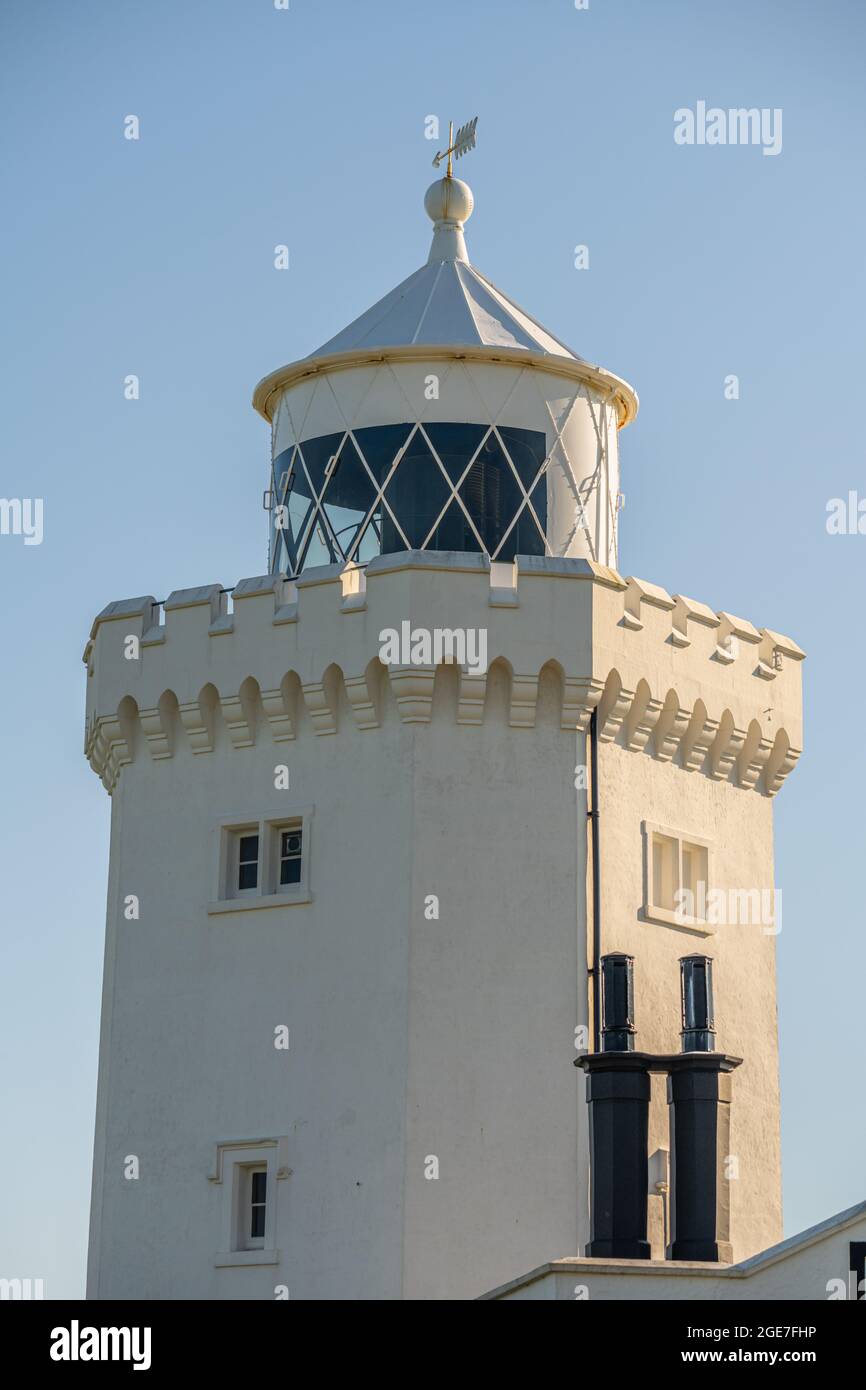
(464, 142)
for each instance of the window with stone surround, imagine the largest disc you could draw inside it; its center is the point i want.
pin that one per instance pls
(677, 873)
(247, 1172)
(263, 862)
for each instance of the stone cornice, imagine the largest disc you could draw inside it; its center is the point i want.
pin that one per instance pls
(670, 679)
(603, 381)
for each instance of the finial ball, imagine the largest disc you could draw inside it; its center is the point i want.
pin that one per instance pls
(449, 200)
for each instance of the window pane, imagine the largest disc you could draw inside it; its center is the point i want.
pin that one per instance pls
(348, 497)
(290, 843)
(491, 494)
(695, 871)
(331, 467)
(453, 532)
(290, 871)
(258, 1207)
(248, 876)
(665, 874)
(321, 547)
(249, 848)
(317, 453)
(455, 445)
(379, 445)
(417, 491)
(260, 1182)
(527, 450)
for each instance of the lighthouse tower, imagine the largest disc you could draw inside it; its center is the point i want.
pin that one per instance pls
(403, 828)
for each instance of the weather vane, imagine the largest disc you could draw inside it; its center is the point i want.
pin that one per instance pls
(464, 142)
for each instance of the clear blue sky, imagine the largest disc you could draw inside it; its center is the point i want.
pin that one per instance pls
(156, 258)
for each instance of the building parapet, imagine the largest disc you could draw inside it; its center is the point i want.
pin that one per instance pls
(669, 676)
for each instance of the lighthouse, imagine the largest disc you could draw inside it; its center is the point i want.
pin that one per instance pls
(369, 900)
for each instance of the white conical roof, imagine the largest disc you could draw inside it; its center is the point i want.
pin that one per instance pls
(446, 301)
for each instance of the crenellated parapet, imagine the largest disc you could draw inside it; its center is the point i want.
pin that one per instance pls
(669, 677)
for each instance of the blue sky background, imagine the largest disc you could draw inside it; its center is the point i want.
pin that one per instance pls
(260, 127)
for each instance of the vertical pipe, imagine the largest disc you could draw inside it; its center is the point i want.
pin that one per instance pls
(592, 814)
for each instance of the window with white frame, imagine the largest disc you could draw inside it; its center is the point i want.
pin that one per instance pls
(246, 880)
(677, 874)
(247, 1171)
(291, 853)
(253, 1205)
(263, 863)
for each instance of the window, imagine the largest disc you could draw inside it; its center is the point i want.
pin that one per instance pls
(255, 1206)
(697, 1004)
(386, 488)
(857, 1266)
(264, 863)
(290, 856)
(617, 977)
(677, 878)
(248, 1172)
(248, 863)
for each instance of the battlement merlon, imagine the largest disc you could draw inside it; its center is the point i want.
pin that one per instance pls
(668, 675)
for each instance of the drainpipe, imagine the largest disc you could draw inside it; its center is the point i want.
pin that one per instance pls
(593, 817)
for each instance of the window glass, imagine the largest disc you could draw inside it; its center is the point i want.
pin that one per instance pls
(321, 548)
(695, 873)
(358, 497)
(290, 856)
(455, 445)
(491, 494)
(291, 491)
(418, 490)
(454, 531)
(316, 454)
(349, 494)
(527, 450)
(379, 444)
(258, 1203)
(665, 871)
(248, 861)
